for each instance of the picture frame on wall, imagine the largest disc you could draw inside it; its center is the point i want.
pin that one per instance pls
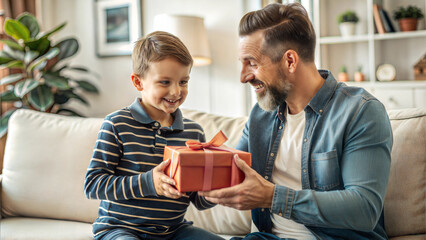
(118, 25)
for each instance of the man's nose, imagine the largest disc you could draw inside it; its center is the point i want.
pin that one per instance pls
(246, 75)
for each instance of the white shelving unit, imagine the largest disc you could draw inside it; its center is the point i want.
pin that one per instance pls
(369, 49)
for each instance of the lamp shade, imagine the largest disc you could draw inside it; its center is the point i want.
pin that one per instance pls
(191, 31)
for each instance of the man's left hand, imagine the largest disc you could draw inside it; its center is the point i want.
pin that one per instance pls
(253, 192)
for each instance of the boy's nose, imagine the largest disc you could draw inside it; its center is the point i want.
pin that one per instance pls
(175, 90)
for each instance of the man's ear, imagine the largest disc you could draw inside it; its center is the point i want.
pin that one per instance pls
(137, 82)
(291, 60)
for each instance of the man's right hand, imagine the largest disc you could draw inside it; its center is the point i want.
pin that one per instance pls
(164, 184)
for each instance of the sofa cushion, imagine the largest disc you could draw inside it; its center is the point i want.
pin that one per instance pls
(405, 199)
(45, 162)
(44, 229)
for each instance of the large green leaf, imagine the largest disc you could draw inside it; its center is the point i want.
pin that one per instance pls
(71, 94)
(9, 96)
(12, 44)
(41, 98)
(16, 30)
(53, 52)
(24, 87)
(4, 58)
(13, 64)
(30, 22)
(61, 97)
(30, 56)
(56, 81)
(37, 64)
(11, 78)
(54, 30)
(87, 86)
(67, 47)
(4, 121)
(69, 112)
(15, 54)
(40, 45)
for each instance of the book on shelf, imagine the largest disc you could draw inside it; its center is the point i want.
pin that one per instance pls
(378, 19)
(387, 24)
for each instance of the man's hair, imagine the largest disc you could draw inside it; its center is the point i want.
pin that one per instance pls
(285, 27)
(157, 46)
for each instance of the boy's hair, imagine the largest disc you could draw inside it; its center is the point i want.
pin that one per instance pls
(285, 27)
(157, 46)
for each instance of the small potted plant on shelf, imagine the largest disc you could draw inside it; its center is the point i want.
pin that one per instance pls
(347, 23)
(407, 17)
(343, 74)
(359, 76)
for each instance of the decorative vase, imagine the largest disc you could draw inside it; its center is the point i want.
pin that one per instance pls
(407, 24)
(347, 29)
(343, 77)
(359, 77)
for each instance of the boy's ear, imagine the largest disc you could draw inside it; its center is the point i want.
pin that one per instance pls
(137, 82)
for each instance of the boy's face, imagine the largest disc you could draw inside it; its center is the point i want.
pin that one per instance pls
(164, 87)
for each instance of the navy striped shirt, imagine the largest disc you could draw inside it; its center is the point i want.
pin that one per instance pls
(129, 145)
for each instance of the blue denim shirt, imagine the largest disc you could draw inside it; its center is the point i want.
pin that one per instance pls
(346, 156)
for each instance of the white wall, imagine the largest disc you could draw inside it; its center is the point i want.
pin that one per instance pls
(215, 88)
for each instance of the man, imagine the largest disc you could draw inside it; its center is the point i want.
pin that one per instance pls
(320, 149)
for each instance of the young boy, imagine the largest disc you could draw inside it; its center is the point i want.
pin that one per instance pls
(126, 169)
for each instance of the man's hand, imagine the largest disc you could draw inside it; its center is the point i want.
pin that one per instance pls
(253, 192)
(163, 184)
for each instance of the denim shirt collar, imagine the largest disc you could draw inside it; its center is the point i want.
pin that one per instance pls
(319, 101)
(140, 115)
(323, 96)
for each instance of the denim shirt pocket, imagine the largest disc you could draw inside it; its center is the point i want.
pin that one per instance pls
(325, 170)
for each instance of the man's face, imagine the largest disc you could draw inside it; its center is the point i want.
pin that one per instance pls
(268, 78)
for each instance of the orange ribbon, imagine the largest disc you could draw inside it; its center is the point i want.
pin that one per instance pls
(216, 141)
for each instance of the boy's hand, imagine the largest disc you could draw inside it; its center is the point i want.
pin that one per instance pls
(163, 184)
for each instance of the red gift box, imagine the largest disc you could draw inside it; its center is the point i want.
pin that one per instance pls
(204, 166)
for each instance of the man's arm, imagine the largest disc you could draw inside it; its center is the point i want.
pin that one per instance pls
(364, 167)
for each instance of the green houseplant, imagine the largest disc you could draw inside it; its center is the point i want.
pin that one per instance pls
(407, 17)
(347, 22)
(38, 78)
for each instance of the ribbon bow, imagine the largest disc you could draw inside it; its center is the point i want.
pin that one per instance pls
(216, 141)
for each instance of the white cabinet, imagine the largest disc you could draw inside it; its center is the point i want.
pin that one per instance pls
(369, 49)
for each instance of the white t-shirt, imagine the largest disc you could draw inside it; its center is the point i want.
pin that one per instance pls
(287, 172)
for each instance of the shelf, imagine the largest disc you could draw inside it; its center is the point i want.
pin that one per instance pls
(400, 35)
(392, 84)
(340, 39)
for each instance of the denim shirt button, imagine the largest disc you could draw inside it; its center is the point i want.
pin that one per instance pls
(266, 177)
(281, 214)
(280, 127)
(305, 140)
(262, 209)
(304, 170)
(272, 154)
(320, 110)
(156, 124)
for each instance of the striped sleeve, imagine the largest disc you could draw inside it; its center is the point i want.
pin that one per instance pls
(101, 182)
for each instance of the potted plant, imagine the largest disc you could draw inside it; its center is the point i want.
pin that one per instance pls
(359, 75)
(408, 17)
(347, 23)
(343, 75)
(39, 78)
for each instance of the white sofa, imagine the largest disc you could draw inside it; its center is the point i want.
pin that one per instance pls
(47, 155)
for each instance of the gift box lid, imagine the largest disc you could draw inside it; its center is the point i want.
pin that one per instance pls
(196, 158)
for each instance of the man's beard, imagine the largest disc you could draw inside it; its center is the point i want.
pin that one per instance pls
(274, 95)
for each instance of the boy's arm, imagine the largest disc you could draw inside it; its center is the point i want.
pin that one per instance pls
(200, 202)
(101, 181)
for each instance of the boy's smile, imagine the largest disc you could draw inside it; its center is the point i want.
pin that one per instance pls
(164, 88)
